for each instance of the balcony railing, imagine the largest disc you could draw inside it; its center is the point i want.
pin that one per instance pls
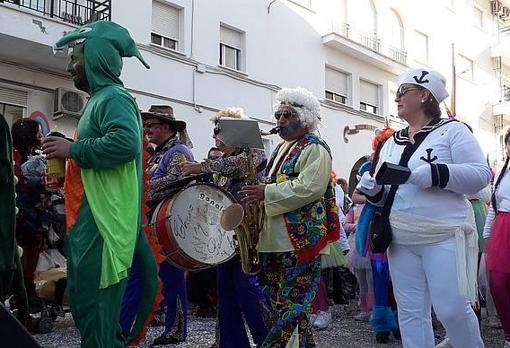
(77, 12)
(370, 41)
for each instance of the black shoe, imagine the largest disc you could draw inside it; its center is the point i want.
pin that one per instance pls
(382, 337)
(167, 339)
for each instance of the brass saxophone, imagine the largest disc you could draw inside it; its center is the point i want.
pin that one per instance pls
(247, 232)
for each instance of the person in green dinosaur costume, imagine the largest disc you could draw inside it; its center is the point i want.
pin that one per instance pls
(11, 271)
(103, 187)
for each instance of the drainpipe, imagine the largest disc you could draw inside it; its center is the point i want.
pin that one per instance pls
(194, 99)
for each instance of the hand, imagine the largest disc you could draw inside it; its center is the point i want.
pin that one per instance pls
(188, 168)
(367, 185)
(56, 147)
(421, 176)
(253, 193)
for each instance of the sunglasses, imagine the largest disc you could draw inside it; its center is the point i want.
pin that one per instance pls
(402, 90)
(285, 113)
(216, 130)
(149, 125)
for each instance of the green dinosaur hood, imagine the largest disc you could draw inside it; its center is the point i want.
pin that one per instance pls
(105, 43)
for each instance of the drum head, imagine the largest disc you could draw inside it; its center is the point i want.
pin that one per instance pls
(195, 223)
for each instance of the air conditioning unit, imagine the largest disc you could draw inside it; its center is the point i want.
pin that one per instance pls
(68, 103)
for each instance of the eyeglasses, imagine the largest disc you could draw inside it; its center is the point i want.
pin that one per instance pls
(216, 130)
(285, 113)
(149, 125)
(402, 90)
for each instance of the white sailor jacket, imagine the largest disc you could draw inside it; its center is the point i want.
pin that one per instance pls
(447, 165)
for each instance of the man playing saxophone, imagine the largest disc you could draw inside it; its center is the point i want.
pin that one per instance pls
(300, 218)
(238, 293)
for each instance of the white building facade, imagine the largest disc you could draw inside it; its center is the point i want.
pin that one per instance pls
(209, 54)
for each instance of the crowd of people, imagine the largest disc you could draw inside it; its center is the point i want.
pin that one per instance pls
(421, 232)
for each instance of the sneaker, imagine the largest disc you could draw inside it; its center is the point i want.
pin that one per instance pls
(362, 316)
(444, 343)
(323, 320)
(313, 318)
(507, 344)
(167, 339)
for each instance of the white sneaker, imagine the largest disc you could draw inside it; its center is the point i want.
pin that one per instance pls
(362, 316)
(323, 320)
(444, 343)
(313, 318)
(507, 344)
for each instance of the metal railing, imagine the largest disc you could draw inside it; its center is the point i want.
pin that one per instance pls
(397, 54)
(370, 41)
(77, 12)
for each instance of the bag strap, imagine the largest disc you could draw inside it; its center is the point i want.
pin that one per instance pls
(409, 150)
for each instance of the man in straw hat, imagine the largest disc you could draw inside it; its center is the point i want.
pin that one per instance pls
(172, 148)
(103, 184)
(301, 217)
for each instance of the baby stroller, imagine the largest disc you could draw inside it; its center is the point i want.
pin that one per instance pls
(49, 271)
(50, 276)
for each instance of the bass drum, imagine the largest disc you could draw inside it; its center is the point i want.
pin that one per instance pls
(188, 228)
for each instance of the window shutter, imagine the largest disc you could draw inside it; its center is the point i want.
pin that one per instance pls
(165, 20)
(369, 93)
(336, 81)
(13, 96)
(230, 37)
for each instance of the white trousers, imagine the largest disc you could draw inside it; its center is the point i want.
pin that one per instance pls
(425, 275)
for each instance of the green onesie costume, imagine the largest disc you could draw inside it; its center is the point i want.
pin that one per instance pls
(104, 190)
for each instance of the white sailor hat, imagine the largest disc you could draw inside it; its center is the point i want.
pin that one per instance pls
(431, 80)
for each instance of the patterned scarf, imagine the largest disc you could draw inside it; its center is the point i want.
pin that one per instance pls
(313, 226)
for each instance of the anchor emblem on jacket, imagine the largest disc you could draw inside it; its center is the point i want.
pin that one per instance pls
(428, 159)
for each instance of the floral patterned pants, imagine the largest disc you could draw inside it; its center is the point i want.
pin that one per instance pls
(291, 287)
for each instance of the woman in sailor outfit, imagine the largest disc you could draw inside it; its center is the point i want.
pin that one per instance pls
(428, 220)
(497, 236)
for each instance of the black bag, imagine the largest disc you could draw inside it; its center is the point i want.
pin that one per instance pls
(380, 233)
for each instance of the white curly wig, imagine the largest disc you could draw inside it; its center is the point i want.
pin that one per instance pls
(304, 102)
(232, 112)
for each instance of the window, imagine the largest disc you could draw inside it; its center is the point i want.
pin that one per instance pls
(397, 31)
(230, 48)
(465, 67)
(421, 47)
(364, 16)
(13, 103)
(336, 86)
(478, 17)
(12, 113)
(369, 97)
(165, 25)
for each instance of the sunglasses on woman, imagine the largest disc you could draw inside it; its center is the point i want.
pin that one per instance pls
(285, 113)
(403, 89)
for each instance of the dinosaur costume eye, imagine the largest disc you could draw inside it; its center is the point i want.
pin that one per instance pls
(84, 30)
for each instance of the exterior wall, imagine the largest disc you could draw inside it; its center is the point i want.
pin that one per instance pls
(283, 47)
